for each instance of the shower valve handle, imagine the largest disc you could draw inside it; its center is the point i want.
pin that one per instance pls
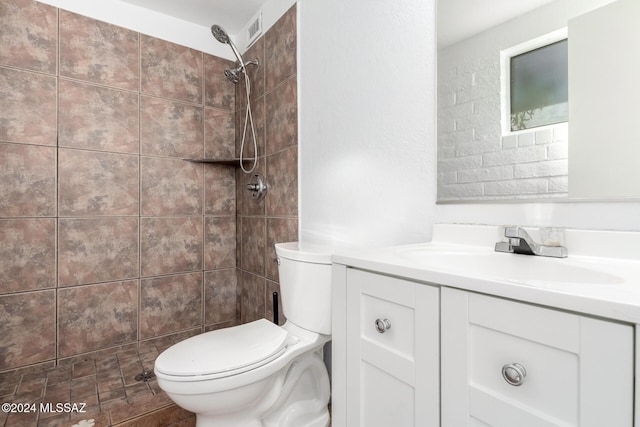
(258, 187)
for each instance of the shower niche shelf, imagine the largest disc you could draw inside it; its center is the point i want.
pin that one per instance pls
(226, 162)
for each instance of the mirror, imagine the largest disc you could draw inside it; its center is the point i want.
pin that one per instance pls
(592, 156)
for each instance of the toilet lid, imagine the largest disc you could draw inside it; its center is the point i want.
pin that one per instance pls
(225, 351)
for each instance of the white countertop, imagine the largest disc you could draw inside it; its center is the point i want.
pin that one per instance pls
(601, 275)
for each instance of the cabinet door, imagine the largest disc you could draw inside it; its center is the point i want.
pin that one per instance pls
(392, 352)
(507, 363)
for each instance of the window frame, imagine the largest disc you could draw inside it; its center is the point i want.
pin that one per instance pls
(505, 77)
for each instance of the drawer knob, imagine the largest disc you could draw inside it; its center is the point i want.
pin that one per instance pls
(382, 325)
(514, 374)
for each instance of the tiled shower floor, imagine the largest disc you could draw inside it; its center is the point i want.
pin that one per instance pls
(104, 384)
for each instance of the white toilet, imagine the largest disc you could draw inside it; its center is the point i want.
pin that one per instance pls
(261, 374)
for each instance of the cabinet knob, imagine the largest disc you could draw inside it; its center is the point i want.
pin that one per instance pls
(382, 325)
(514, 374)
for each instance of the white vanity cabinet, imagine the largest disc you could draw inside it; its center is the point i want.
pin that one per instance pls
(480, 338)
(392, 352)
(507, 363)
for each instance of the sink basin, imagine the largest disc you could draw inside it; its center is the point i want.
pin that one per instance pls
(524, 269)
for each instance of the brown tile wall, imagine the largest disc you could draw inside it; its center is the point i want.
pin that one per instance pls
(275, 218)
(107, 237)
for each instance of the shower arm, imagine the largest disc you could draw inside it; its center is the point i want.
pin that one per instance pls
(243, 68)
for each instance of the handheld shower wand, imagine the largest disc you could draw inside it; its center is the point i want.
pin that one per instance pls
(232, 74)
(223, 37)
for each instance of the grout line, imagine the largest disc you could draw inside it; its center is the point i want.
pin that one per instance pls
(56, 301)
(140, 196)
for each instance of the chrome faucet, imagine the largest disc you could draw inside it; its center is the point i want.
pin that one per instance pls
(521, 243)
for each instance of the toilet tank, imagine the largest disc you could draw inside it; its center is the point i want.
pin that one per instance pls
(305, 286)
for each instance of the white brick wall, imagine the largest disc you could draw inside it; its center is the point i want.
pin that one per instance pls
(475, 161)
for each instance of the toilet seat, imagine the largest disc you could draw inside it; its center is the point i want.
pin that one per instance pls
(224, 352)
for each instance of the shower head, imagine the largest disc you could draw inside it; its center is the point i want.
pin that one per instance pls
(220, 34)
(232, 74)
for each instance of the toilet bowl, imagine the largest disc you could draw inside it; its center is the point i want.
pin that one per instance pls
(258, 373)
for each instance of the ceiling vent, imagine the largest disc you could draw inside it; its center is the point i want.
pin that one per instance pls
(254, 31)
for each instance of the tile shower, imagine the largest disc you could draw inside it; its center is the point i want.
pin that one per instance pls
(111, 245)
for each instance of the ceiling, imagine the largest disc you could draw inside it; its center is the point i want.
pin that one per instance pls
(459, 19)
(232, 15)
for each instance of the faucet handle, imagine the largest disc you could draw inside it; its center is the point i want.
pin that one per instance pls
(552, 236)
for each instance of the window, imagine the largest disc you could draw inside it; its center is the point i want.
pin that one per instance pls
(537, 89)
